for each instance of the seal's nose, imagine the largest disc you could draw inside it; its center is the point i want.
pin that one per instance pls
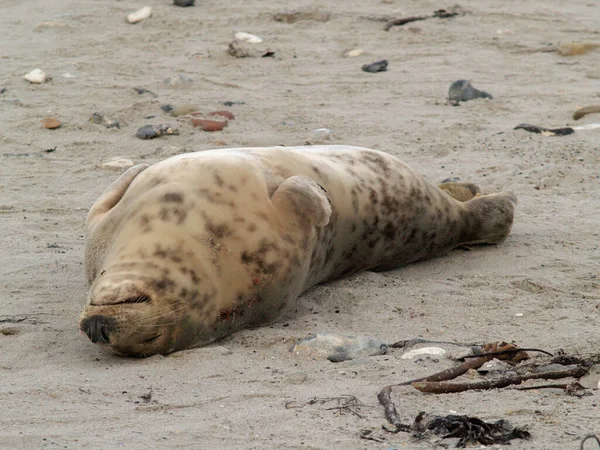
(98, 328)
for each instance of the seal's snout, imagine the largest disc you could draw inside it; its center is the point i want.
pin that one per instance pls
(98, 328)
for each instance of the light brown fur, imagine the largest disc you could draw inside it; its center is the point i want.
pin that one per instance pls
(197, 246)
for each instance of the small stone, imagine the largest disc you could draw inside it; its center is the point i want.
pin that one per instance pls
(296, 377)
(519, 314)
(297, 16)
(51, 123)
(377, 66)
(425, 351)
(98, 118)
(50, 26)
(183, 109)
(118, 164)
(237, 50)
(576, 48)
(167, 108)
(36, 76)
(139, 15)
(324, 133)
(179, 80)
(354, 53)
(247, 37)
(68, 75)
(184, 2)
(223, 113)
(154, 131)
(463, 91)
(209, 125)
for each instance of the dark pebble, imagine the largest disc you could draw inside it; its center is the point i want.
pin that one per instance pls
(2, 90)
(184, 2)
(167, 108)
(231, 103)
(154, 131)
(451, 180)
(377, 66)
(463, 91)
(535, 129)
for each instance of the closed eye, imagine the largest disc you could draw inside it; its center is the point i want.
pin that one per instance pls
(132, 300)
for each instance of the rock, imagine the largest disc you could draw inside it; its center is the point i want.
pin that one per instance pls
(68, 75)
(118, 164)
(463, 91)
(36, 76)
(223, 113)
(297, 16)
(324, 133)
(184, 2)
(167, 108)
(99, 119)
(296, 377)
(50, 26)
(424, 351)
(154, 131)
(183, 109)
(209, 125)
(338, 347)
(51, 123)
(354, 53)
(237, 50)
(139, 15)
(231, 103)
(179, 80)
(377, 66)
(247, 37)
(576, 48)
(2, 90)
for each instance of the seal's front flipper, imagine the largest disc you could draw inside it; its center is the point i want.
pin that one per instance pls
(303, 201)
(460, 191)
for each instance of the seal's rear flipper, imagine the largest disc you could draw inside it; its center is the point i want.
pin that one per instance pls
(489, 218)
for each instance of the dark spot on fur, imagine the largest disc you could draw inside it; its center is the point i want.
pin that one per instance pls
(219, 180)
(173, 197)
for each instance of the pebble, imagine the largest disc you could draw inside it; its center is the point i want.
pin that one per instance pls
(296, 377)
(222, 113)
(297, 16)
(377, 66)
(247, 37)
(184, 2)
(154, 131)
(167, 108)
(209, 125)
(51, 123)
(338, 347)
(183, 109)
(237, 50)
(118, 164)
(463, 91)
(139, 15)
(354, 52)
(324, 133)
(425, 351)
(576, 48)
(178, 80)
(68, 75)
(98, 118)
(36, 76)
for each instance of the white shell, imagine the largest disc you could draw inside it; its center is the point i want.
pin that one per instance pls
(247, 37)
(118, 164)
(428, 351)
(354, 53)
(139, 15)
(35, 76)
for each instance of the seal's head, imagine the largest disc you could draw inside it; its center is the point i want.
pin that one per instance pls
(150, 291)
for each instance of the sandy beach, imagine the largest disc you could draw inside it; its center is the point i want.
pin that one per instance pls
(540, 288)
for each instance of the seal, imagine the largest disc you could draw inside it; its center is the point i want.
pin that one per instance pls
(195, 247)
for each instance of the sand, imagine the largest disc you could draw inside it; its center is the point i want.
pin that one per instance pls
(538, 289)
